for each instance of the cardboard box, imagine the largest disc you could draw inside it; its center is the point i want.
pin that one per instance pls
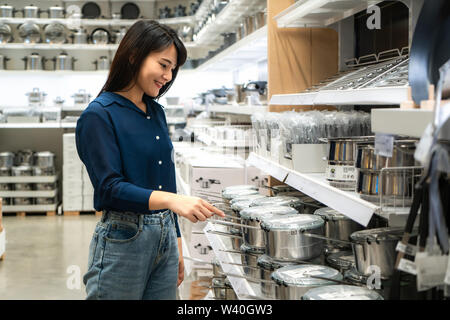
(72, 203)
(309, 158)
(200, 248)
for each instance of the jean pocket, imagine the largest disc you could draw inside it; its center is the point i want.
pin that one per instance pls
(92, 249)
(122, 231)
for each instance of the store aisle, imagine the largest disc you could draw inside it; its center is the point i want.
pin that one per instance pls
(39, 253)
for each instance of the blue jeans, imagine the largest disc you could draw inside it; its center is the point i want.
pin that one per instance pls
(133, 257)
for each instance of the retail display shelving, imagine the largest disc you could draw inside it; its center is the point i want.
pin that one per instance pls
(233, 109)
(30, 208)
(408, 122)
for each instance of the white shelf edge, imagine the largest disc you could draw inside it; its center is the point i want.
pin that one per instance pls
(408, 122)
(30, 208)
(39, 125)
(29, 194)
(29, 179)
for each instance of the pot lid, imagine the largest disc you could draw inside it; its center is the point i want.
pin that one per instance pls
(44, 154)
(262, 212)
(245, 248)
(266, 262)
(343, 259)
(300, 275)
(249, 197)
(6, 6)
(378, 234)
(341, 292)
(292, 222)
(230, 194)
(22, 168)
(277, 201)
(240, 186)
(330, 214)
(240, 205)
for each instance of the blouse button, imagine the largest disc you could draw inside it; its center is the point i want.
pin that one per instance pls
(159, 187)
(157, 137)
(159, 162)
(148, 117)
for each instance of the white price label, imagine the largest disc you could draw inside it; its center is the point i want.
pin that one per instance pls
(406, 248)
(384, 144)
(407, 266)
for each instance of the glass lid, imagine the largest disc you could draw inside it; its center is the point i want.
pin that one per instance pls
(378, 234)
(341, 292)
(233, 193)
(294, 222)
(344, 259)
(249, 197)
(277, 201)
(259, 213)
(303, 275)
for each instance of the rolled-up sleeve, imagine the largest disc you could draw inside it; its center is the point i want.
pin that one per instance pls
(98, 149)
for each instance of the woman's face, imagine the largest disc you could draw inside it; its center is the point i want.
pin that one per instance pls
(156, 70)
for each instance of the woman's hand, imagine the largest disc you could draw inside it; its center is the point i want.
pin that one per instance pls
(193, 208)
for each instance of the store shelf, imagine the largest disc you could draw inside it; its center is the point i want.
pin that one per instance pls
(242, 287)
(232, 109)
(183, 186)
(251, 49)
(29, 194)
(316, 186)
(30, 208)
(63, 46)
(409, 122)
(68, 125)
(39, 125)
(29, 179)
(369, 96)
(320, 13)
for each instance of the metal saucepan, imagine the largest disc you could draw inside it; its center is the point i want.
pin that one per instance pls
(236, 191)
(5, 33)
(341, 292)
(24, 157)
(22, 171)
(34, 62)
(302, 205)
(376, 247)
(63, 62)
(6, 159)
(79, 36)
(294, 281)
(7, 11)
(45, 159)
(56, 12)
(223, 290)
(5, 171)
(81, 97)
(31, 11)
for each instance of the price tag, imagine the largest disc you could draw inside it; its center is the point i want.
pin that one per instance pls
(406, 248)
(431, 270)
(422, 152)
(407, 266)
(384, 144)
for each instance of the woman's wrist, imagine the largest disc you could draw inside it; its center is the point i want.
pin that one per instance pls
(161, 200)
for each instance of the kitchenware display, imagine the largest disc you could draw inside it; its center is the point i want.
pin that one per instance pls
(118, 35)
(45, 200)
(79, 36)
(81, 97)
(31, 11)
(6, 159)
(22, 170)
(5, 186)
(337, 226)
(5, 172)
(223, 290)
(247, 198)
(24, 158)
(376, 247)
(249, 25)
(260, 19)
(90, 10)
(30, 32)
(34, 62)
(342, 260)
(291, 238)
(5, 34)
(6, 11)
(63, 62)
(230, 193)
(294, 281)
(3, 60)
(36, 96)
(55, 33)
(100, 36)
(102, 63)
(44, 159)
(23, 186)
(249, 259)
(185, 33)
(292, 202)
(56, 12)
(45, 186)
(341, 292)
(130, 11)
(252, 217)
(22, 201)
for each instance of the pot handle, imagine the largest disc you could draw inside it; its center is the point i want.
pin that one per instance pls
(312, 235)
(224, 234)
(226, 223)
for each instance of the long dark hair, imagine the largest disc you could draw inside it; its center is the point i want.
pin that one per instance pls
(144, 37)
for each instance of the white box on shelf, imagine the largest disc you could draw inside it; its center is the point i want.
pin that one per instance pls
(2, 241)
(74, 203)
(200, 248)
(309, 158)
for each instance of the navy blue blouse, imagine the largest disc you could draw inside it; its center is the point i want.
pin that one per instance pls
(127, 153)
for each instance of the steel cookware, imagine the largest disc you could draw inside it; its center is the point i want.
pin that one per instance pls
(130, 11)
(238, 206)
(341, 292)
(376, 248)
(23, 186)
(5, 171)
(55, 33)
(229, 194)
(56, 12)
(31, 11)
(81, 97)
(34, 62)
(249, 25)
(246, 198)
(64, 62)
(100, 36)
(292, 202)
(337, 226)
(45, 159)
(294, 281)
(22, 201)
(6, 159)
(102, 63)
(5, 186)
(342, 260)
(402, 156)
(45, 186)
(79, 36)
(287, 238)
(255, 237)
(23, 170)
(45, 200)
(36, 96)
(5, 34)
(7, 11)
(223, 290)
(90, 10)
(118, 35)
(24, 157)
(249, 259)
(30, 32)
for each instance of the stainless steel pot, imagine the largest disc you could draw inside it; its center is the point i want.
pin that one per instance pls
(23, 186)
(5, 35)
(294, 281)
(34, 62)
(249, 259)
(36, 96)
(292, 202)
(20, 171)
(223, 290)
(5, 186)
(376, 247)
(342, 260)
(56, 12)
(30, 32)
(31, 11)
(81, 97)
(102, 63)
(118, 35)
(232, 192)
(79, 36)
(22, 201)
(337, 226)
(45, 186)
(341, 292)
(5, 171)
(24, 158)
(7, 11)
(63, 62)
(249, 25)
(287, 238)
(6, 159)
(402, 156)
(55, 33)
(260, 19)
(45, 159)
(45, 200)
(100, 36)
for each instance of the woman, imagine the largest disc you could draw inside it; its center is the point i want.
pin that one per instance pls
(122, 138)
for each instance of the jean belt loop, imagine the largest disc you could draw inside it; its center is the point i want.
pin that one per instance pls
(141, 222)
(172, 215)
(104, 216)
